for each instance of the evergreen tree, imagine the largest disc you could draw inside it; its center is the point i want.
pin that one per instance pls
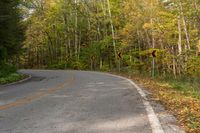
(10, 30)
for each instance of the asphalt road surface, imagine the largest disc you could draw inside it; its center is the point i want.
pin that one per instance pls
(72, 102)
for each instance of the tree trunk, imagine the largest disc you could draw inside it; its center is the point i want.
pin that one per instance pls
(76, 31)
(180, 36)
(112, 29)
(184, 25)
(174, 62)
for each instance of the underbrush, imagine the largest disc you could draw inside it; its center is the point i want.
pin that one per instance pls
(11, 78)
(188, 86)
(6, 69)
(77, 65)
(8, 74)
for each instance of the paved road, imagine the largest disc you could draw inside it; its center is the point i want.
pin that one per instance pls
(72, 102)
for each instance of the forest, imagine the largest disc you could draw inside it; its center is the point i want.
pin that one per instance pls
(159, 39)
(90, 34)
(154, 37)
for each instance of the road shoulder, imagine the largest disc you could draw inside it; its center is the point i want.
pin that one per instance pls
(167, 119)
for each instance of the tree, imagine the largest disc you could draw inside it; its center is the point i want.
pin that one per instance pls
(61, 32)
(11, 32)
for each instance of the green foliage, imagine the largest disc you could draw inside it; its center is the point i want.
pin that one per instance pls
(11, 78)
(105, 68)
(70, 64)
(63, 29)
(186, 85)
(8, 74)
(6, 69)
(60, 65)
(193, 67)
(78, 65)
(68, 35)
(11, 31)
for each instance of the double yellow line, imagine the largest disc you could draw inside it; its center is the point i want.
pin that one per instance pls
(37, 95)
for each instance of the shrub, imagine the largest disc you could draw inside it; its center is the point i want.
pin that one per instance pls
(7, 69)
(11, 78)
(78, 65)
(105, 68)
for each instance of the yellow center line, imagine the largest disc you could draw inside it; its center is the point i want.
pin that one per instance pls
(37, 95)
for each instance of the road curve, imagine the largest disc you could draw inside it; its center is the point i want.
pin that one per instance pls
(72, 102)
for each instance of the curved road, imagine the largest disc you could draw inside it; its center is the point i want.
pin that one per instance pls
(72, 102)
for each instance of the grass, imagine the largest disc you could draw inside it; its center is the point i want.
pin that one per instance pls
(11, 78)
(188, 87)
(8, 74)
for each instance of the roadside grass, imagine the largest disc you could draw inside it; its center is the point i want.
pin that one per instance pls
(179, 96)
(11, 78)
(8, 74)
(185, 86)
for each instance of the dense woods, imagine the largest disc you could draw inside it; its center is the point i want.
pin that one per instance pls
(90, 34)
(154, 37)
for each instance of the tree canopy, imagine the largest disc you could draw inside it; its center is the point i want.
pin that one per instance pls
(90, 34)
(11, 33)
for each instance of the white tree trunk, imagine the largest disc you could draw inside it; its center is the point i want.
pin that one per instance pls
(112, 28)
(184, 25)
(75, 31)
(180, 36)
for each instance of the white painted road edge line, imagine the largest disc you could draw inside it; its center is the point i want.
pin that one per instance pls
(153, 119)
